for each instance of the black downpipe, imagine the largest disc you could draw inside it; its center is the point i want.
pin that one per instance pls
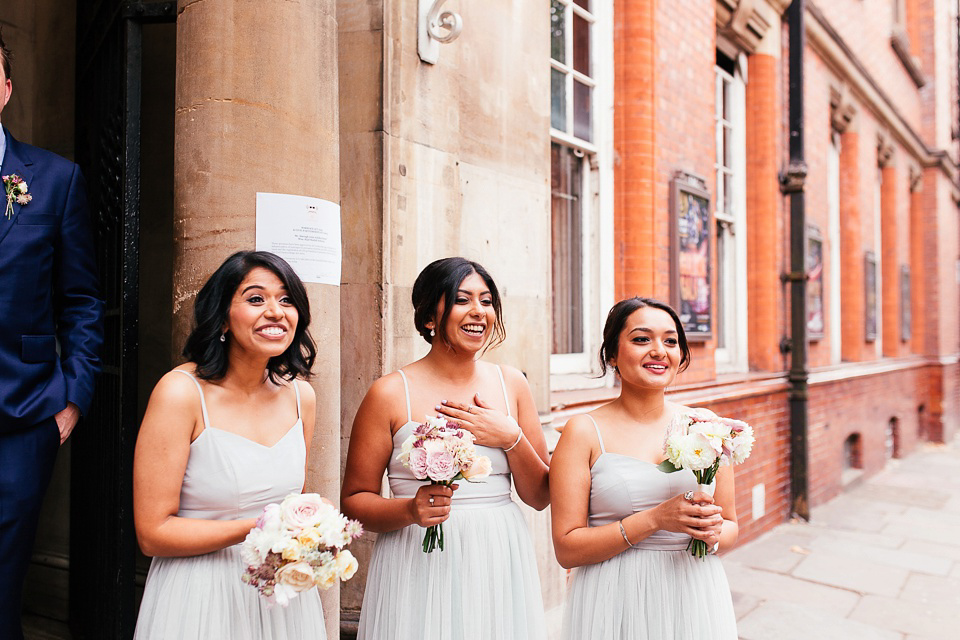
(792, 183)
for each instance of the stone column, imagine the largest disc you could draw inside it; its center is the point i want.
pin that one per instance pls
(256, 110)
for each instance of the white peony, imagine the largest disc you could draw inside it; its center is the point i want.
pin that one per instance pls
(742, 445)
(714, 432)
(691, 451)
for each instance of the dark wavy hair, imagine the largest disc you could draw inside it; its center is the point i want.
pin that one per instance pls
(213, 305)
(440, 280)
(617, 319)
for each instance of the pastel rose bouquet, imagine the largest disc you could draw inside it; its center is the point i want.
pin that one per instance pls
(442, 452)
(704, 444)
(296, 545)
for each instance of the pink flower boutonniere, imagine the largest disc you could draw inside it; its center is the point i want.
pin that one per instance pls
(16, 189)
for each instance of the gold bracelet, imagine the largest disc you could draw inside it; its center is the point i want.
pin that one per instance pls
(623, 532)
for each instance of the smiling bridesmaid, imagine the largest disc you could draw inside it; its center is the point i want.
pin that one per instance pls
(484, 584)
(224, 435)
(624, 524)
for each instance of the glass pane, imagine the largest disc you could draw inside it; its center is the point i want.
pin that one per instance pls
(727, 147)
(728, 193)
(721, 289)
(567, 238)
(726, 99)
(558, 100)
(720, 191)
(557, 29)
(581, 45)
(585, 4)
(582, 116)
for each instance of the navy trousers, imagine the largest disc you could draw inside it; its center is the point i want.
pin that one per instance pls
(26, 464)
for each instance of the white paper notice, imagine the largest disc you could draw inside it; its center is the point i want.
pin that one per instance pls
(303, 231)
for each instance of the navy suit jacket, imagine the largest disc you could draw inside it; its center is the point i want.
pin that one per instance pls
(49, 294)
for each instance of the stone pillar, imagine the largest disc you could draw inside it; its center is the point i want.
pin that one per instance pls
(256, 110)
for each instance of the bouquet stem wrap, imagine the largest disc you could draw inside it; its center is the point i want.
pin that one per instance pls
(699, 548)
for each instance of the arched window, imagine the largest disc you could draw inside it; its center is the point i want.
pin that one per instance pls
(892, 441)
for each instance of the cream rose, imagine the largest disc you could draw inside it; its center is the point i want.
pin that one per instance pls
(346, 565)
(292, 551)
(309, 538)
(298, 576)
(480, 469)
(302, 510)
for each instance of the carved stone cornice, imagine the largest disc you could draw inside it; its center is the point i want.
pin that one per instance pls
(884, 149)
(915, 174)
(742, 21)
(842, 107)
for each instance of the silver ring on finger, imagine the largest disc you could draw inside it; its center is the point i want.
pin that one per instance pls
(431, 500)
(688, 496)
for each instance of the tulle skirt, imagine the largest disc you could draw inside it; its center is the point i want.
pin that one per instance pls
(483, 586)
(643, 594)
(203, 598)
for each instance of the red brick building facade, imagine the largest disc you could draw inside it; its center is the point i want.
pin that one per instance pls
(701, 87)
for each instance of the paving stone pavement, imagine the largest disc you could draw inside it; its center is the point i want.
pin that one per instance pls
(879, 561)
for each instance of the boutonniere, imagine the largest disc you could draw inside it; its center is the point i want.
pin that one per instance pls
(16, 189)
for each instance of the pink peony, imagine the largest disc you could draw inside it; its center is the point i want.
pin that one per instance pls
(418, 463)
(441, 466)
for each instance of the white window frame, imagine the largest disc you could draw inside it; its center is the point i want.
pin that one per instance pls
(732, 287)
(834, 320)
(572, 370)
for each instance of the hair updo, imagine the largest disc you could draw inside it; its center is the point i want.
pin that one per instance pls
(439, 282)
(617, 319)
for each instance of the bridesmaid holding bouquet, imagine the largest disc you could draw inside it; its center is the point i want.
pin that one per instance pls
(483, 584)
(625, 524)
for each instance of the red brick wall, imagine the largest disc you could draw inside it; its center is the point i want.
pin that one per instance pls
(765, 220)
(861, 405)
(890, 260)
(639, 246)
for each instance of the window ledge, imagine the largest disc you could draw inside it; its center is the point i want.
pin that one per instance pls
(901, 46)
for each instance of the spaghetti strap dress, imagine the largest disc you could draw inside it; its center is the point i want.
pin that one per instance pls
(202, 597)
(657, 590)
(484, 584)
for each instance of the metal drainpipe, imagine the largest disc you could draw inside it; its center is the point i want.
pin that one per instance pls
(792, 182)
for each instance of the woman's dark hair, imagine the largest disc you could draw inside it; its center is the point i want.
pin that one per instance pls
(440, 280)
(617, 319)
(212, 306)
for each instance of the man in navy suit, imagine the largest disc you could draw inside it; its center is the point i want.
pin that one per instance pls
(51, 330)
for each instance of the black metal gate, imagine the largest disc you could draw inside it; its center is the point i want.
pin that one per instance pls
(102, 539)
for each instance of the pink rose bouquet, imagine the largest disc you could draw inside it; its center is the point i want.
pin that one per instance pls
(442, 452)
(705, 443)
(296, 545)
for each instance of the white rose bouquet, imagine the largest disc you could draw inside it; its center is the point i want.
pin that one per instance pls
(707, 443)
(296, 545)
(442, 452)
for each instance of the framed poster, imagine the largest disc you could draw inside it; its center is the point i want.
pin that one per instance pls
(870, 296)
(691, 249)
(814, 260)
(906, 313)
